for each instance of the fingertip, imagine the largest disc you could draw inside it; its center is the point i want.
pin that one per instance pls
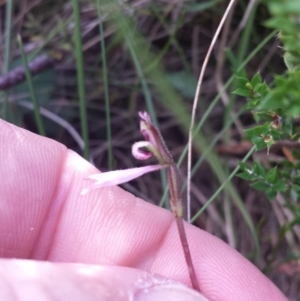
(38, 280)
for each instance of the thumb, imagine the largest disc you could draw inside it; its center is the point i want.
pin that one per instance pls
(26, 280)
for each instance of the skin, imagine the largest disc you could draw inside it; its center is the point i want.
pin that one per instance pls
(106, 245)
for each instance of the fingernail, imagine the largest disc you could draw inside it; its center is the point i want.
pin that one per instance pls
(171, 291)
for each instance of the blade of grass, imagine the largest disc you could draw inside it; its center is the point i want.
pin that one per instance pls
(243, 44)
(248, 30)
(198, 7)
(242, 50)
(106, 94)
(37, 115)
(7, 37)
(7, 40)
(80, 78)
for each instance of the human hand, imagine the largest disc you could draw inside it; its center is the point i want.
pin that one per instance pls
(78, 246)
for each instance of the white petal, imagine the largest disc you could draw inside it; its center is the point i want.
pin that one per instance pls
(139, 154)
(116, 177)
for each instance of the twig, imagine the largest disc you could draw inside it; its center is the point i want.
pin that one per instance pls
(17, 76)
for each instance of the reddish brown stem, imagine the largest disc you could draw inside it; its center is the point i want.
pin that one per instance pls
(187, 253)
(37, 65)
(174, 182)
(164, 157)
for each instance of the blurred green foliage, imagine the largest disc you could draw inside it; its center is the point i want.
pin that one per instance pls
(276, 109)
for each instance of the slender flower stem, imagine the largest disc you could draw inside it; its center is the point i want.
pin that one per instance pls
(161, 152)
(187, 253)
(175, 184)
(158, 148)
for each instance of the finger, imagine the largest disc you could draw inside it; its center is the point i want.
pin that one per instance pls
(107, 226)
(24, 280)
(30, 168)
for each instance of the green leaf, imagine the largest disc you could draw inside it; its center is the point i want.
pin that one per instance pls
(276, 135)
(287, 165)
(269, 143)
(242, 81)
(260, 186)
(257, 88)
(259, 131)
(264, 90)
(287, 128)
(290, 61)
(280, 186)
(253, 103)
(296, 154)
(259, 143)
(285, 7)
(272, 102)
(271, 175)
(296, 178)
(263, 136)
(271, 194)
(258, 169)
(296, 187)
(246, 176)
(256, 80)
(243, 166)
(281, 23)
(243, 92)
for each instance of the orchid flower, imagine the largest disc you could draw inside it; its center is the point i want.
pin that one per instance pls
(153, 146)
